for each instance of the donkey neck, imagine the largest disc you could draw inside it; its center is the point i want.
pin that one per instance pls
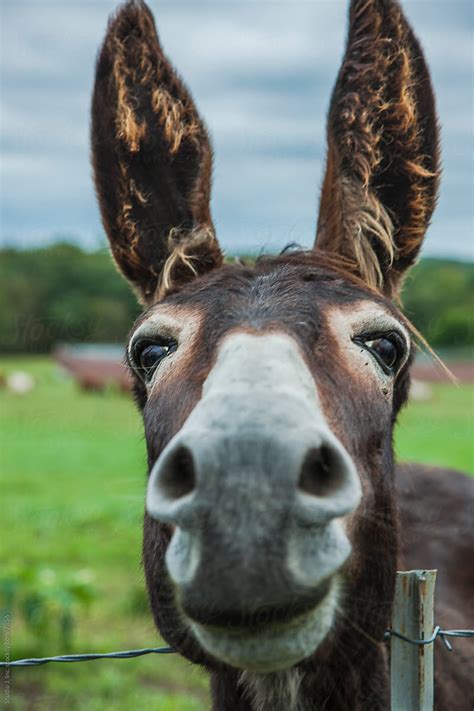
(340, 683)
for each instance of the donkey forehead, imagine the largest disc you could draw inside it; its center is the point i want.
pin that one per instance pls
(301, 301)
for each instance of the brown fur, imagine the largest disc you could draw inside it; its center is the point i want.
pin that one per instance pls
(382, 148)
(150, 144)
(152, 162)
(293, 293)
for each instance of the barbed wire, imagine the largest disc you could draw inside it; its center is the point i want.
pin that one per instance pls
(437, 632)
(128, 654)
(131, 653)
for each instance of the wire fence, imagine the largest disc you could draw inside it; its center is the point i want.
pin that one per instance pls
(412, 637)
(437, 632)
(132, 653)
(127, 654)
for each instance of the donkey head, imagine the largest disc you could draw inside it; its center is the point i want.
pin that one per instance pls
(269, 391)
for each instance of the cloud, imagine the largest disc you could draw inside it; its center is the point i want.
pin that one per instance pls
(261, 73)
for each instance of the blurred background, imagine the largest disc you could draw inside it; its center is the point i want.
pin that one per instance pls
(72, 453)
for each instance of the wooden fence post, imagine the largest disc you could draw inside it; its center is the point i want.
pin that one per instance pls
(411, 665)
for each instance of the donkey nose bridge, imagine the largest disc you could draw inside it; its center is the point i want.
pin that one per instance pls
(257, 441)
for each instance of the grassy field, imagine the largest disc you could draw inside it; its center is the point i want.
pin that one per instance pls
(73, 472)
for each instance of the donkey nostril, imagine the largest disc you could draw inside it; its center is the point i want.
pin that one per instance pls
(321, 473)
(178, 478)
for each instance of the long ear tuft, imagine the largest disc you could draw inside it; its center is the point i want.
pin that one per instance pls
(152, 157)
(382, 171)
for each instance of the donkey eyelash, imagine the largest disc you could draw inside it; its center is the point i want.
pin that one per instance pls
(368, 340)
(159, 348)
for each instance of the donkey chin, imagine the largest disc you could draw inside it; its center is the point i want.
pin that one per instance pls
(272, 646)
(258, 518)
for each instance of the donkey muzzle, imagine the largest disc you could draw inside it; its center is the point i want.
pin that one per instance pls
(256, 486)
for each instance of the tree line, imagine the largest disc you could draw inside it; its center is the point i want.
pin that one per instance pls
(62, 293)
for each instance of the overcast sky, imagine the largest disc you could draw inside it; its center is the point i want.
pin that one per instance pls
(261, 73)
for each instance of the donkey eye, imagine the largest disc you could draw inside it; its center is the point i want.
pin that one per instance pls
(388, 349)
(148, 355)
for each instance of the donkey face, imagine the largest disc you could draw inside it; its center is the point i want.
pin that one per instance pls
(268, 392)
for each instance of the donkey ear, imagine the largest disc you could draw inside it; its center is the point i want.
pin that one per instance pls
(152, 160)
(382, 171)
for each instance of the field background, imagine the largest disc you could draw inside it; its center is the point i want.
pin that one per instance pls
(73, 471)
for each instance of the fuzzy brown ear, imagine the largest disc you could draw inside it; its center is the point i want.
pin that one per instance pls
(382, 171)
(152, 160)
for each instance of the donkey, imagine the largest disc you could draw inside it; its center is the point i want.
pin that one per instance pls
(275, 516)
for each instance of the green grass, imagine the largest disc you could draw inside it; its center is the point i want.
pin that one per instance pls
(73, 478)
(439, 431)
